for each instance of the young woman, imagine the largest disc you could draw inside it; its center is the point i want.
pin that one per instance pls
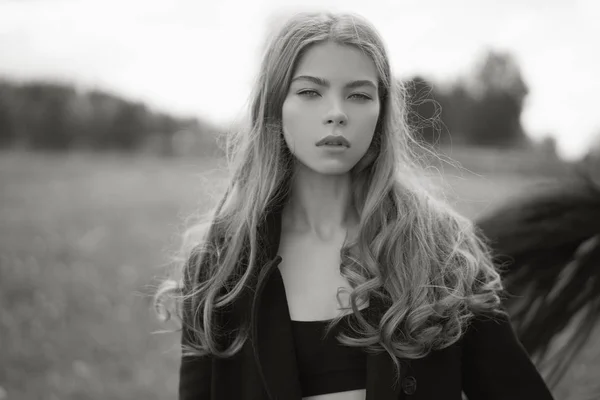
(329, 271)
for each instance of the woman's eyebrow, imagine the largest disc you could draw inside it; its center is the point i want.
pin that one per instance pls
(326, 83)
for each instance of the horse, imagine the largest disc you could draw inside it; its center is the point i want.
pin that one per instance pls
(546, 244)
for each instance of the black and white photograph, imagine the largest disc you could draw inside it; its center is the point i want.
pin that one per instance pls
(299, 200)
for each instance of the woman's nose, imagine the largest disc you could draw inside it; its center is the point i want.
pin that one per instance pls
(337, 120)
(336, 116)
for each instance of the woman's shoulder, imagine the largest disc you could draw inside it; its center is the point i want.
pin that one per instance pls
(203, 249)
(488, 325)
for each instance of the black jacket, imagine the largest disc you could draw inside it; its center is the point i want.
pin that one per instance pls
(487, 363)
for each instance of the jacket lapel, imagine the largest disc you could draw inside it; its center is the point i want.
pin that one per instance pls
(272, 338)
(381, 379)
(271, 333)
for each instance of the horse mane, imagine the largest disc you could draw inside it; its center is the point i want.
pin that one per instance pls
(547, 247)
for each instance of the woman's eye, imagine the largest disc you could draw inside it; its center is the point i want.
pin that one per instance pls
(308, 93)
(361, 96)
(313, 93)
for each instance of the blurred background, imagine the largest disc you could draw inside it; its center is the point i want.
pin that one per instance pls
(111, 116)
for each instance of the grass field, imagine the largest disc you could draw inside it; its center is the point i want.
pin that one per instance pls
(83, 238)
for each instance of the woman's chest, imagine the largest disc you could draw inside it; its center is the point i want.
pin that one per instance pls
(315, 286)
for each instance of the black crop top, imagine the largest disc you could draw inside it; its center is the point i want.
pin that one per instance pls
(325, 365)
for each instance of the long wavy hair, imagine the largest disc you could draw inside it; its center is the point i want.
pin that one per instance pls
(429, 264)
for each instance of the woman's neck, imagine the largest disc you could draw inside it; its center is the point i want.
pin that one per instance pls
(320, 204)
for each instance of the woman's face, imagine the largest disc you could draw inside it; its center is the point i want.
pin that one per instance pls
(333, 92)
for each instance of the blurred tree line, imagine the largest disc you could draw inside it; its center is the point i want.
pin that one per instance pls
(483, 109)
(55, 116)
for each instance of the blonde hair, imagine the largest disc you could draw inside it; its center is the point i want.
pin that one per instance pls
(423, 259)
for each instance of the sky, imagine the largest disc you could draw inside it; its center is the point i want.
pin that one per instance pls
(200, 58)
